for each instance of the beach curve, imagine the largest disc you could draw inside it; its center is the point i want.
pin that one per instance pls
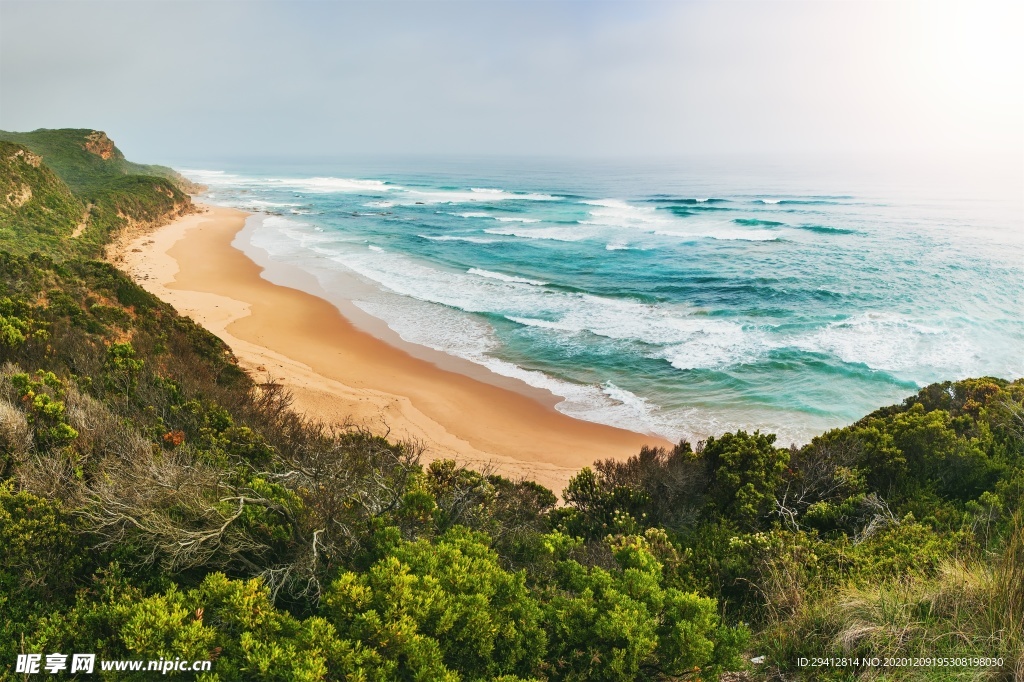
(337, 372)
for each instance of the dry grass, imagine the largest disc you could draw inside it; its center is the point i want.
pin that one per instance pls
(971, 608)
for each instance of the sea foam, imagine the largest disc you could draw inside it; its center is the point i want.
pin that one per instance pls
(455, 238)
(693, 309)
(504, 278)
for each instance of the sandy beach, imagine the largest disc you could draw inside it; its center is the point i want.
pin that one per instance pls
(338, 372)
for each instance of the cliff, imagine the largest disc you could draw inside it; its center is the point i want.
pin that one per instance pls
(84, 158)
(69, 191)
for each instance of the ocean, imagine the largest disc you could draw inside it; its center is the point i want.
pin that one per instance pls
(682, 298)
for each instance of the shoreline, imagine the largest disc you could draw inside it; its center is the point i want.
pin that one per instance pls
(346, 288)
(338, 370)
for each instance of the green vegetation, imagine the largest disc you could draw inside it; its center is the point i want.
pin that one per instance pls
(156, 502)
(37, 210)
(65, 193)
(87, 159)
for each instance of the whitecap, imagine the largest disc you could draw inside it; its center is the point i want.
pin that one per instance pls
(324, 185)
(453, 238)
(617, 213)
(728, 235)
(282, 223)
(542, 324)
(628, 398)
(504, 278)
(890, 342)
(560, 234)
(529, 196)
(718, 346)
(256, 204)
(211, 178)
(474, 195)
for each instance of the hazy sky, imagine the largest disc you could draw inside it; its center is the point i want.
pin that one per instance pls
(179, 80)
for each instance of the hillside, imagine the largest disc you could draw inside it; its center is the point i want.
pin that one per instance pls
(87, 159)
(35, 196)
(157, 502)
(68, 191)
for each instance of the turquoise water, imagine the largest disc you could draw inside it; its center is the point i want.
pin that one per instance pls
(679, 298)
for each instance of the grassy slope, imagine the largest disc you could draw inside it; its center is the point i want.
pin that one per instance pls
(38, 212)
(84, 171)
(75, 185)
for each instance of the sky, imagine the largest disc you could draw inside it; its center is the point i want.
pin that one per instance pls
(233, 79)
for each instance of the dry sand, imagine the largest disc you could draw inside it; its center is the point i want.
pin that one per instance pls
(336, 371)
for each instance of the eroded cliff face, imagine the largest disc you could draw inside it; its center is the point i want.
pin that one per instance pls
(20, 196)
(20, 192)
(102, 146)
(177, 207)
(28, 157)
(37, 209)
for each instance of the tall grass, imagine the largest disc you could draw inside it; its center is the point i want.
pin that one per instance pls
(1008, 604)
(969, 608)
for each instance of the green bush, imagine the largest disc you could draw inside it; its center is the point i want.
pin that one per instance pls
(441, 611)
